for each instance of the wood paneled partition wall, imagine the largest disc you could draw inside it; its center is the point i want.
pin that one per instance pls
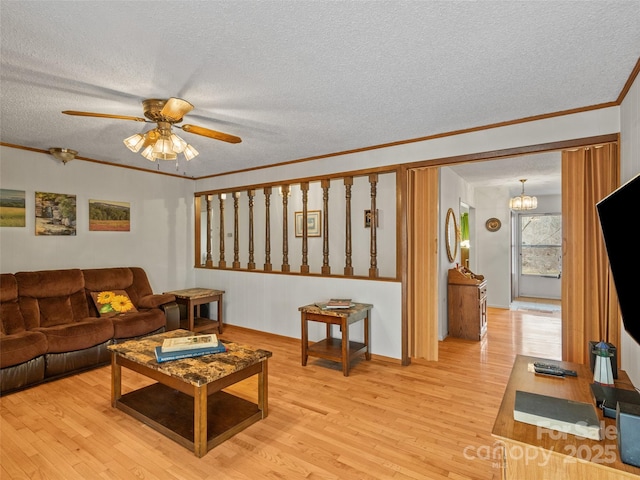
(351, 227)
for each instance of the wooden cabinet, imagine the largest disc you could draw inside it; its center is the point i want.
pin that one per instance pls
(467, 299)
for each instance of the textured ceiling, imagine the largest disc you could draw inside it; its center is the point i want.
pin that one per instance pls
(304, 78)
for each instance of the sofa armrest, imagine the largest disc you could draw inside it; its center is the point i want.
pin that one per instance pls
(172, 314)
(155, 300)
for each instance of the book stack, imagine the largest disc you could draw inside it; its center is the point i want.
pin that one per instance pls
(188, 347)
(576, 418)
(337, 303)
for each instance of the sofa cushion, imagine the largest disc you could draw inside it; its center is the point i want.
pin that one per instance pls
(8, 288)
(137, 324)
(21, 347)
(51, 297)
(112, 302)
(50, 283)
(11, 319)
(76, 336)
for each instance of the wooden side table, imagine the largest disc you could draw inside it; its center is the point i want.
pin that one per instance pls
(192, 298)
(341, 350)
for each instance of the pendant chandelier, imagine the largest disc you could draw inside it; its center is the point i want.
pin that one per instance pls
(522, 201)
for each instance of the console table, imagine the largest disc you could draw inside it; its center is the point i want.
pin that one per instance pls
(337, 349)
(538, 453)
(192, 298)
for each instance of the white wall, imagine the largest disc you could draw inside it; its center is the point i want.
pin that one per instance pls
(630, 166)
(161, 219)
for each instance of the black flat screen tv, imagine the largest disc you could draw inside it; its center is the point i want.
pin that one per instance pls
(617, 220)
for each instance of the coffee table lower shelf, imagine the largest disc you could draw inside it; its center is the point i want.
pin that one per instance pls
(170, 412)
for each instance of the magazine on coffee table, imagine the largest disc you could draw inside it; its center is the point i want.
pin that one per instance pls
(193, 342)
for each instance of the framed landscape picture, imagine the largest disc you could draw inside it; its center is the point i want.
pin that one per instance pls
(12, 209)
(313, 223)
(109, 216)
(55, 214)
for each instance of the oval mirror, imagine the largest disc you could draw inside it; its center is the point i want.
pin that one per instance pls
(451, 235)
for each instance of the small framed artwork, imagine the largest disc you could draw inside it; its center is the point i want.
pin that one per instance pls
(313, 223)
(109, 216)
(55, 214)
(367, 219)
(12, 208)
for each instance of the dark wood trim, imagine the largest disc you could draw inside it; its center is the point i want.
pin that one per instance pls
(102, 162)
(428, 137)
(513, 152)
(627, 85)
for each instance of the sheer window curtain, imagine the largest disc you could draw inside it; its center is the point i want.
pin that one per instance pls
(589, 301)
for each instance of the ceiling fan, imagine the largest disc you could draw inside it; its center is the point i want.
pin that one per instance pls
(160, 143)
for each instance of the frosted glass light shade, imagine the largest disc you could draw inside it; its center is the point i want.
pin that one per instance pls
(134, 142)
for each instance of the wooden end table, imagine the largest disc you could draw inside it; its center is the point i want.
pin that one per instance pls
(192, 298)
(188, 404)
(337, 349)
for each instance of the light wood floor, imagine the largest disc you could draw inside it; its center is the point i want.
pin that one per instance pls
(430, 420)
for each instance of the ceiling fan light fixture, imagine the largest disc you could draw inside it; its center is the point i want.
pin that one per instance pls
(190, 152)
(134, 142)
(522, 201)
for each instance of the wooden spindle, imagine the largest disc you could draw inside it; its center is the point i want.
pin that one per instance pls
(304, 268)
(267, 230)
(326, 268)
(348, 267)
(236, 247)
(209, 259)
(251, 265)
(373, 268)
(222, 263)
(285, 239)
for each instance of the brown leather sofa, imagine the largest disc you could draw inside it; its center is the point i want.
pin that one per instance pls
(50, 325)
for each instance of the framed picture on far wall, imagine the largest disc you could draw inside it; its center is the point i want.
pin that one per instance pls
(109, 216)
(55, 214)
(12, 208)
(313, 223)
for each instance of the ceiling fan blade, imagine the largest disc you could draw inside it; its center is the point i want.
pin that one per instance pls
(103, 115)
(205, 132)
(175, 109)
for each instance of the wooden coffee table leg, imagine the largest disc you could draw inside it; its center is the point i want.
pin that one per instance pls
(200, 421)
(263, 389)
(116, 380)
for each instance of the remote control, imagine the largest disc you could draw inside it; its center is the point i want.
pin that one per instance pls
(552, 369)
(549, 371)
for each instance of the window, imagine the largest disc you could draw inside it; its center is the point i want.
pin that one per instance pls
(541, 244)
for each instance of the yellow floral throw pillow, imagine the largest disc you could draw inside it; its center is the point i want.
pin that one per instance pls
(112, 302)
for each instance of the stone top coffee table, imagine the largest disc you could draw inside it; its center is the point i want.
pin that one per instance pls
(188, 404)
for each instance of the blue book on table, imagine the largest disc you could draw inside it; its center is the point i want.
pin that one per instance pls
(196, 352)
